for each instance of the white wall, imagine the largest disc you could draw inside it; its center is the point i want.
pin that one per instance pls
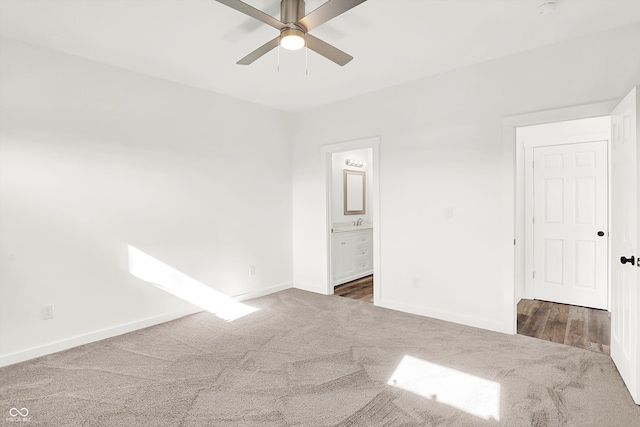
(337, 180)
(95, 158)
(441, 146)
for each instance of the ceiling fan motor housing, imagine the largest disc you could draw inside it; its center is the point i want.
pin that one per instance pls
(291, 11)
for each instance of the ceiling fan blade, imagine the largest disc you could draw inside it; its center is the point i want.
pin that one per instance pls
(325, 49)
(250, 25)
(253, 12)
(327, 11)
(259, 51)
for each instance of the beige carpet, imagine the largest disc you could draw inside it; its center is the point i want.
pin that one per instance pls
(310, 360)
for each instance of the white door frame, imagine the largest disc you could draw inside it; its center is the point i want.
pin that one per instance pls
(515, 196)
(573, 132)
(327, 150)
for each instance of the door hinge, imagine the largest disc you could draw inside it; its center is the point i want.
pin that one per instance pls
(533, 274)
(533, 220)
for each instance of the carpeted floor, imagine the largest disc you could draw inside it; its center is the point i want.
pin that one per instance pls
(310, 360)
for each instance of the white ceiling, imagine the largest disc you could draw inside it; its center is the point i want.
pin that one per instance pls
(197, 42)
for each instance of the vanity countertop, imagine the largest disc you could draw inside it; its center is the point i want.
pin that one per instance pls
(352, 228)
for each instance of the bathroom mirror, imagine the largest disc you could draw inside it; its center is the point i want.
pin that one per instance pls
(354, 192)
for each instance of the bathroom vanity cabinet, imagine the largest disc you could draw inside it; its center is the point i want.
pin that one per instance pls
(352, 253)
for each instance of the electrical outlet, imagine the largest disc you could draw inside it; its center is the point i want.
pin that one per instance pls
(252, 270)
(414, 282)
(47, 311)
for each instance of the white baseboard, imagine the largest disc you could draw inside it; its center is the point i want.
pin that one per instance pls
(32, 353)
(263, 292)
(65, 344)
(476, 322)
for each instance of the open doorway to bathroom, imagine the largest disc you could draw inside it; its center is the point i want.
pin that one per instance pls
(352, 224)
(352, 219)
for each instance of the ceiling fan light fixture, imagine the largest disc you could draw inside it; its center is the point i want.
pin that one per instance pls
(292, 39)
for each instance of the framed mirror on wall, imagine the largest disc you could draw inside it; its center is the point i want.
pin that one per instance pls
(354, 192)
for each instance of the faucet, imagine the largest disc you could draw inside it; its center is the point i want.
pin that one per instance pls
(359, 221)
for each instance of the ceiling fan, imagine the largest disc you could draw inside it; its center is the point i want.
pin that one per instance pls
(294, 27)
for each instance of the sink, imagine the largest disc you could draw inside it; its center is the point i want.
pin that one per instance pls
(352, 228)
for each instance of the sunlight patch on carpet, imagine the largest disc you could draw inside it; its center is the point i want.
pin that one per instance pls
(473, 395)
(167, 278)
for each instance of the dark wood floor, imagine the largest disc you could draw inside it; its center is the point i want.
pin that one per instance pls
(360, 289)
(580, 327)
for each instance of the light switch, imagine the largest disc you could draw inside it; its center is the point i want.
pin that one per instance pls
(448, 212)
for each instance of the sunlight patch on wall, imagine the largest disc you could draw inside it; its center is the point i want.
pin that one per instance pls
(167, 278)
(473, 395)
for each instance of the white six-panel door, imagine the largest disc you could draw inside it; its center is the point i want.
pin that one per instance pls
(625, 292)
(570, 224)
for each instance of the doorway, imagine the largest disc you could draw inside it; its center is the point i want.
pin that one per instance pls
(566, 211)
(566, 216)
(353, 226)
(352, 222)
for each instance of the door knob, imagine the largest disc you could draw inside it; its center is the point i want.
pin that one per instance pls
(600, 233)
(632, 260)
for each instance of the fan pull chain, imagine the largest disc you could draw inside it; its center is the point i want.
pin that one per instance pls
(306, 59)
(278, 56)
